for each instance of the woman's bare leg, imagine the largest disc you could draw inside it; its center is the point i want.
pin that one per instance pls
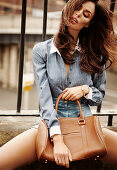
(111, 143)
(19, 151)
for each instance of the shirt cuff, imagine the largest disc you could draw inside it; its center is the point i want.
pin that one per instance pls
(89, 95)
(55, 130)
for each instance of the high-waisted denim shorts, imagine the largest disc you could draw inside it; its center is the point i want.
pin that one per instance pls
(69, 109)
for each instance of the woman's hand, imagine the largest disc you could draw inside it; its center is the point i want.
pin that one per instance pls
(75, 93)
(62, 154)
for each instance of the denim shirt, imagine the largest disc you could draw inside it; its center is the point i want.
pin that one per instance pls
(51, 79)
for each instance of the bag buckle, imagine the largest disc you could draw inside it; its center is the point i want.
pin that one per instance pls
(81, 121)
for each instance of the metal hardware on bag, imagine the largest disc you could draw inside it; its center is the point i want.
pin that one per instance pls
(46, 161)
(81, 122)
(97, 157)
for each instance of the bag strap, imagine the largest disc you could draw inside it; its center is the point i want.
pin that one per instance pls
(78, 102)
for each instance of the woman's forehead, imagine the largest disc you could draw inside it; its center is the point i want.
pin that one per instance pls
(89, 6)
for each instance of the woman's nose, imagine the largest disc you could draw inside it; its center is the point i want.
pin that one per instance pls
(78, 14)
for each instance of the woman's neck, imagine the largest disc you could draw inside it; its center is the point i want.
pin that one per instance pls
(74, 33)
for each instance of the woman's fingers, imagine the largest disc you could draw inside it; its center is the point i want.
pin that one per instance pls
(68, 96)
(67, 158)
(63, 159)
(60, 161)
(65, 89)
(65, 95)
(70, 156)
(61, 153)
(73, 93)
(56, 160)
(67, 161)
(74, 97)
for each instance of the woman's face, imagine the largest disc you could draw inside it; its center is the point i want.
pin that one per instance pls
(82, 16)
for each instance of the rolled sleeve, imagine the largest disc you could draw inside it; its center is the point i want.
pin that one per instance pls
(47, 110)
(98, 89)
(89, 95)
(55, 130)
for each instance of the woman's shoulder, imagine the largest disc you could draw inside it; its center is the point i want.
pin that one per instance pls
(42, 47)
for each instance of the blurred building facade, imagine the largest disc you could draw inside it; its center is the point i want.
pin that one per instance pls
(10, 27)
(14, 6)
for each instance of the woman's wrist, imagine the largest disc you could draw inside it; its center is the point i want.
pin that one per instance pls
(57, 139)
(85, 89)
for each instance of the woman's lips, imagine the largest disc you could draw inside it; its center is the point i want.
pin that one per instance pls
(74, 20)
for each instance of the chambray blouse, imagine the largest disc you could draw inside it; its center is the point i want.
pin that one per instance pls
(51, 79)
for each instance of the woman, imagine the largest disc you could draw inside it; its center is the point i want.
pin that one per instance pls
(74, 61)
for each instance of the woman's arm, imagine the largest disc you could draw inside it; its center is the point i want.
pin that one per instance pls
(98, 89)
(61, 152)
(45, 98)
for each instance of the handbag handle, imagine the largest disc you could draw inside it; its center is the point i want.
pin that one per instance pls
(78, 102)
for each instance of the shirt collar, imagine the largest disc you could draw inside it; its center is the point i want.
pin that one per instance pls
(54, 49)
(77, 47)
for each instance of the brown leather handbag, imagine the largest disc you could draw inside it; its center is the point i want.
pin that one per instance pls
(82, 135)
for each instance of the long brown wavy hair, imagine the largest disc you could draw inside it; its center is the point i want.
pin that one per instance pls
(98, 41)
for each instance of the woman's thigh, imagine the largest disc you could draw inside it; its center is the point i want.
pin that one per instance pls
(111, 144)
(19, 151)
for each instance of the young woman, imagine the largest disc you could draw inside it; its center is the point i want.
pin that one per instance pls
(73, 61)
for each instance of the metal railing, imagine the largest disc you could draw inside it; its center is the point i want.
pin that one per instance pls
(22, 45)
(21, 62)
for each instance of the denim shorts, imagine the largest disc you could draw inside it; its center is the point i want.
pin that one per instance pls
(69, 109)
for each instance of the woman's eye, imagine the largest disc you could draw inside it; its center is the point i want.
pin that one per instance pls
(86, 16)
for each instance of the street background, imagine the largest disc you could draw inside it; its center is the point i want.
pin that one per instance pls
(10, 11)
